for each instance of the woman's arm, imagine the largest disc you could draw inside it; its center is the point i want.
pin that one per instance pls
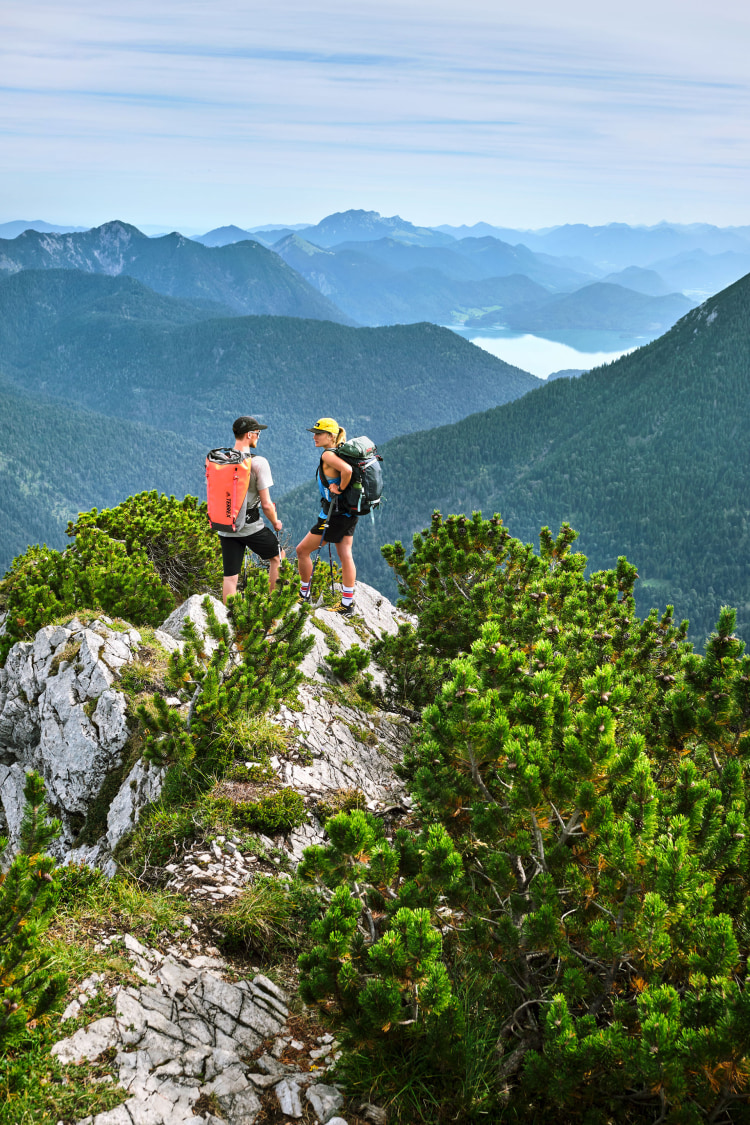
(331, 461)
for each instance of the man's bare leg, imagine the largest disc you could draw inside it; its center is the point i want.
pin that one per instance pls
(229, 587)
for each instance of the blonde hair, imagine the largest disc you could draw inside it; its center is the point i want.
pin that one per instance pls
(340, 436)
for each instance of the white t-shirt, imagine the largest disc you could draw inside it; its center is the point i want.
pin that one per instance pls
(260, 477)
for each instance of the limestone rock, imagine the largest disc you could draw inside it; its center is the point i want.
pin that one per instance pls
(325, 1100)
(61, 715)
(141, 787)
(12, 781)
(89, 1042)
(181, 1037)
(374, 616)
(192, 610)
(290, 1100)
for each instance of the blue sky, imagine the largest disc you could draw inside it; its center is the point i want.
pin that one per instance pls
(194, 115)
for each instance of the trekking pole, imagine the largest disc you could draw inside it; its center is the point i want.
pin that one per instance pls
(330, 563)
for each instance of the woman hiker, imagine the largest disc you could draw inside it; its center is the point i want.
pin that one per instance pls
(333, 476)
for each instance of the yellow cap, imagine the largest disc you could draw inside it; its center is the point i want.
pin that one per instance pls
(325, 425)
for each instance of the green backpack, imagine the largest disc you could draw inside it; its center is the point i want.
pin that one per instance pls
(364, 491)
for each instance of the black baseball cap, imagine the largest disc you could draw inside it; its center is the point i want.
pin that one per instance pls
(245, 423)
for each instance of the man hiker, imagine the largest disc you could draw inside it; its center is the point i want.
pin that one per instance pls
(335, 523)
(251, 531)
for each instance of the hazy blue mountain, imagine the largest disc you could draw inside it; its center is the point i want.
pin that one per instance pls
(640, 281)
(366, 226)
(57, 460)
(499, 259)
(703, 273)
(372, 292)
(274, 226)
(403, 256)
(645, 457)
(480, 230)
(619, 245)
(474, 258)
(246, 276)
(268, 237)
(616, 246)
(18, 226)
(34, 303)
(598, 306)
(358, 226)
(96, 342)
(222, 236)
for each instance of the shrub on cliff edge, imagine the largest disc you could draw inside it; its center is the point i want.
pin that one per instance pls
(133, 561)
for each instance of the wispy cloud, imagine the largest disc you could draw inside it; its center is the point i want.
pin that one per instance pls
(439, 111)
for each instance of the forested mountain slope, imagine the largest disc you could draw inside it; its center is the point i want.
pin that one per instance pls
(56, 460)
(108, 345)
(245, 276)
(646, 457)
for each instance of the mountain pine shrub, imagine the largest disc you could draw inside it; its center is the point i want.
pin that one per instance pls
(239, 680)
(174, 535)
(578, 889)
(135, 561)
(28, 894)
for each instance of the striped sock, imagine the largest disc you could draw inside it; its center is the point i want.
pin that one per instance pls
(304, 589)
(347, 595)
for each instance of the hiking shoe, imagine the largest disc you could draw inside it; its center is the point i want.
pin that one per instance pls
(305, 597)
(346, 610)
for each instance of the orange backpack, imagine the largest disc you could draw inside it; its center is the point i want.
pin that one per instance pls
(227, 480)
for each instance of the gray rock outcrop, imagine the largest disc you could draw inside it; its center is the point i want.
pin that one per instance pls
(63, 714)
(182, 1039)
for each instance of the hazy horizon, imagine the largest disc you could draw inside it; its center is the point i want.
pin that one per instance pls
(156, 229)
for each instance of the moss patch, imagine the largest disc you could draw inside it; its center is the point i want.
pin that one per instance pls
(330, 636)
(68, 652)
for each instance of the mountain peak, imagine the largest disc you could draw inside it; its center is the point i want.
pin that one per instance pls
(117, 228)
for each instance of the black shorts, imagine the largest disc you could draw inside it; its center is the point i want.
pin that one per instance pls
(338, 527)
(263, 543)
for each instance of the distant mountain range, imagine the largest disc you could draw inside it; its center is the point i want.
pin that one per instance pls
(617, 245)
(645, 457)
(362, 267)
(372, 291)
(359, 226)
(245, 278)
(475, 281)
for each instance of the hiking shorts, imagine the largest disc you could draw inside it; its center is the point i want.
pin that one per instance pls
(338, 527)
(264, 543)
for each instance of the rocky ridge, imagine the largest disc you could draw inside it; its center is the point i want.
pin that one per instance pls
(63, 713)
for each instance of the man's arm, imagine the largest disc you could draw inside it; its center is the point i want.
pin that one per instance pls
(269, 508)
